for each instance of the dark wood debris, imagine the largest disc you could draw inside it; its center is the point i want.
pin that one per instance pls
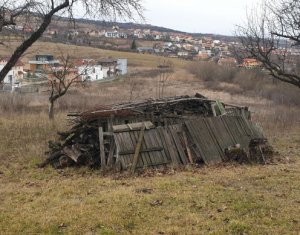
(173, 131)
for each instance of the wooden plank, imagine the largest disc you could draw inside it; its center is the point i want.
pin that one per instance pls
(219, 135)
(220, 107)
(132, 126)
(151, 149)
(159, 142)
(201, 136)
(171, 147)
(111, 153)
(178, 144)
(102, 153)
(146, 145)
(149, 140)
(118, 147)
(145, 156)
(133, 144)
(188, 150)
(72, 153)
(137, 149)
(163, 141)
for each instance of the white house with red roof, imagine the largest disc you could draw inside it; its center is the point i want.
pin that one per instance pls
(16, 74)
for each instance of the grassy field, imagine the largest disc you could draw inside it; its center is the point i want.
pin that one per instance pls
(230, 199)
(135, 59)
(225, 199)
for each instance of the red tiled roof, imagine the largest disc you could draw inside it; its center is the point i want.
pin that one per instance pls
(7, 58)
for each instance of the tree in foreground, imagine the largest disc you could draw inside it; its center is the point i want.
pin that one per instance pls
(36, 15)
(272, 36)
(61, 78)
(165, 70)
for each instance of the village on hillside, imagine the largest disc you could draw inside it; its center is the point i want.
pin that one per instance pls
(42, 68)
(140, 40)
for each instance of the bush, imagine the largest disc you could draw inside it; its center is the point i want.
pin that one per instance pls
(249, 82)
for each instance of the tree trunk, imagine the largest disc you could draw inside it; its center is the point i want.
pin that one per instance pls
(51, 110)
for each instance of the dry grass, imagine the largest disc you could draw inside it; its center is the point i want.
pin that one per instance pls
(217, 200)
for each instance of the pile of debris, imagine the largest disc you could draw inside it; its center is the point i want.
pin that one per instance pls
(156, 133)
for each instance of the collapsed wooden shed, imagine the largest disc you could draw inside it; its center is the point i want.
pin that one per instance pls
(153, 133)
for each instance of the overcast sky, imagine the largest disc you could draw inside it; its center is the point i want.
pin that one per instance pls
(198, 16)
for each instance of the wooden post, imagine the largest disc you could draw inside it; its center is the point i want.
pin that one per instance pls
(102, 153)
(138, 149)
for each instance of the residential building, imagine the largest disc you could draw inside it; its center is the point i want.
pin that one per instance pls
(109, 66)
(88, 70)
(182, 53)
(122, 66)
(15, 75)
(42, 63)
(115, 34)
(227, 61)
(90, 73)
(145, 50)
(250, 63)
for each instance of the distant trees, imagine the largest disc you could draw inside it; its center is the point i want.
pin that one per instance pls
(38, 14)
(133, 45)
(271, 34)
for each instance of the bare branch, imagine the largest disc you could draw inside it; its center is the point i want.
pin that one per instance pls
(270, 36)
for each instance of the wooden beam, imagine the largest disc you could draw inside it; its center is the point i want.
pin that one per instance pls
(102, 153)
(137, 149)
(141, 151)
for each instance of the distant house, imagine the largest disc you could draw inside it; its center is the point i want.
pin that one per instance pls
(182, 53)
(227, 61)
(188, 47)
(42, 62)
(168, 44)
(112, 67)
(122, 66)
(115, 34)
(88, 70)
(145, 50)
(250, 63)
(203, 55)
(15, 75)
(90, 73)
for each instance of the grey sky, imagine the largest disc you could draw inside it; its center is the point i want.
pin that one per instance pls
(201, 16)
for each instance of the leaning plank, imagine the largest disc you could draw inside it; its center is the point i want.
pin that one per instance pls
(137, 149)
(178, 144)
(188, 150)
(111, 153)
(205, 144)
(102, 153)
(72, 153)
(171, 148)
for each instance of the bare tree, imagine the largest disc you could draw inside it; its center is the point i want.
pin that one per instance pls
(166, 70)
(134, 88)
(40, 13)
(61, 79)
(272, 36)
